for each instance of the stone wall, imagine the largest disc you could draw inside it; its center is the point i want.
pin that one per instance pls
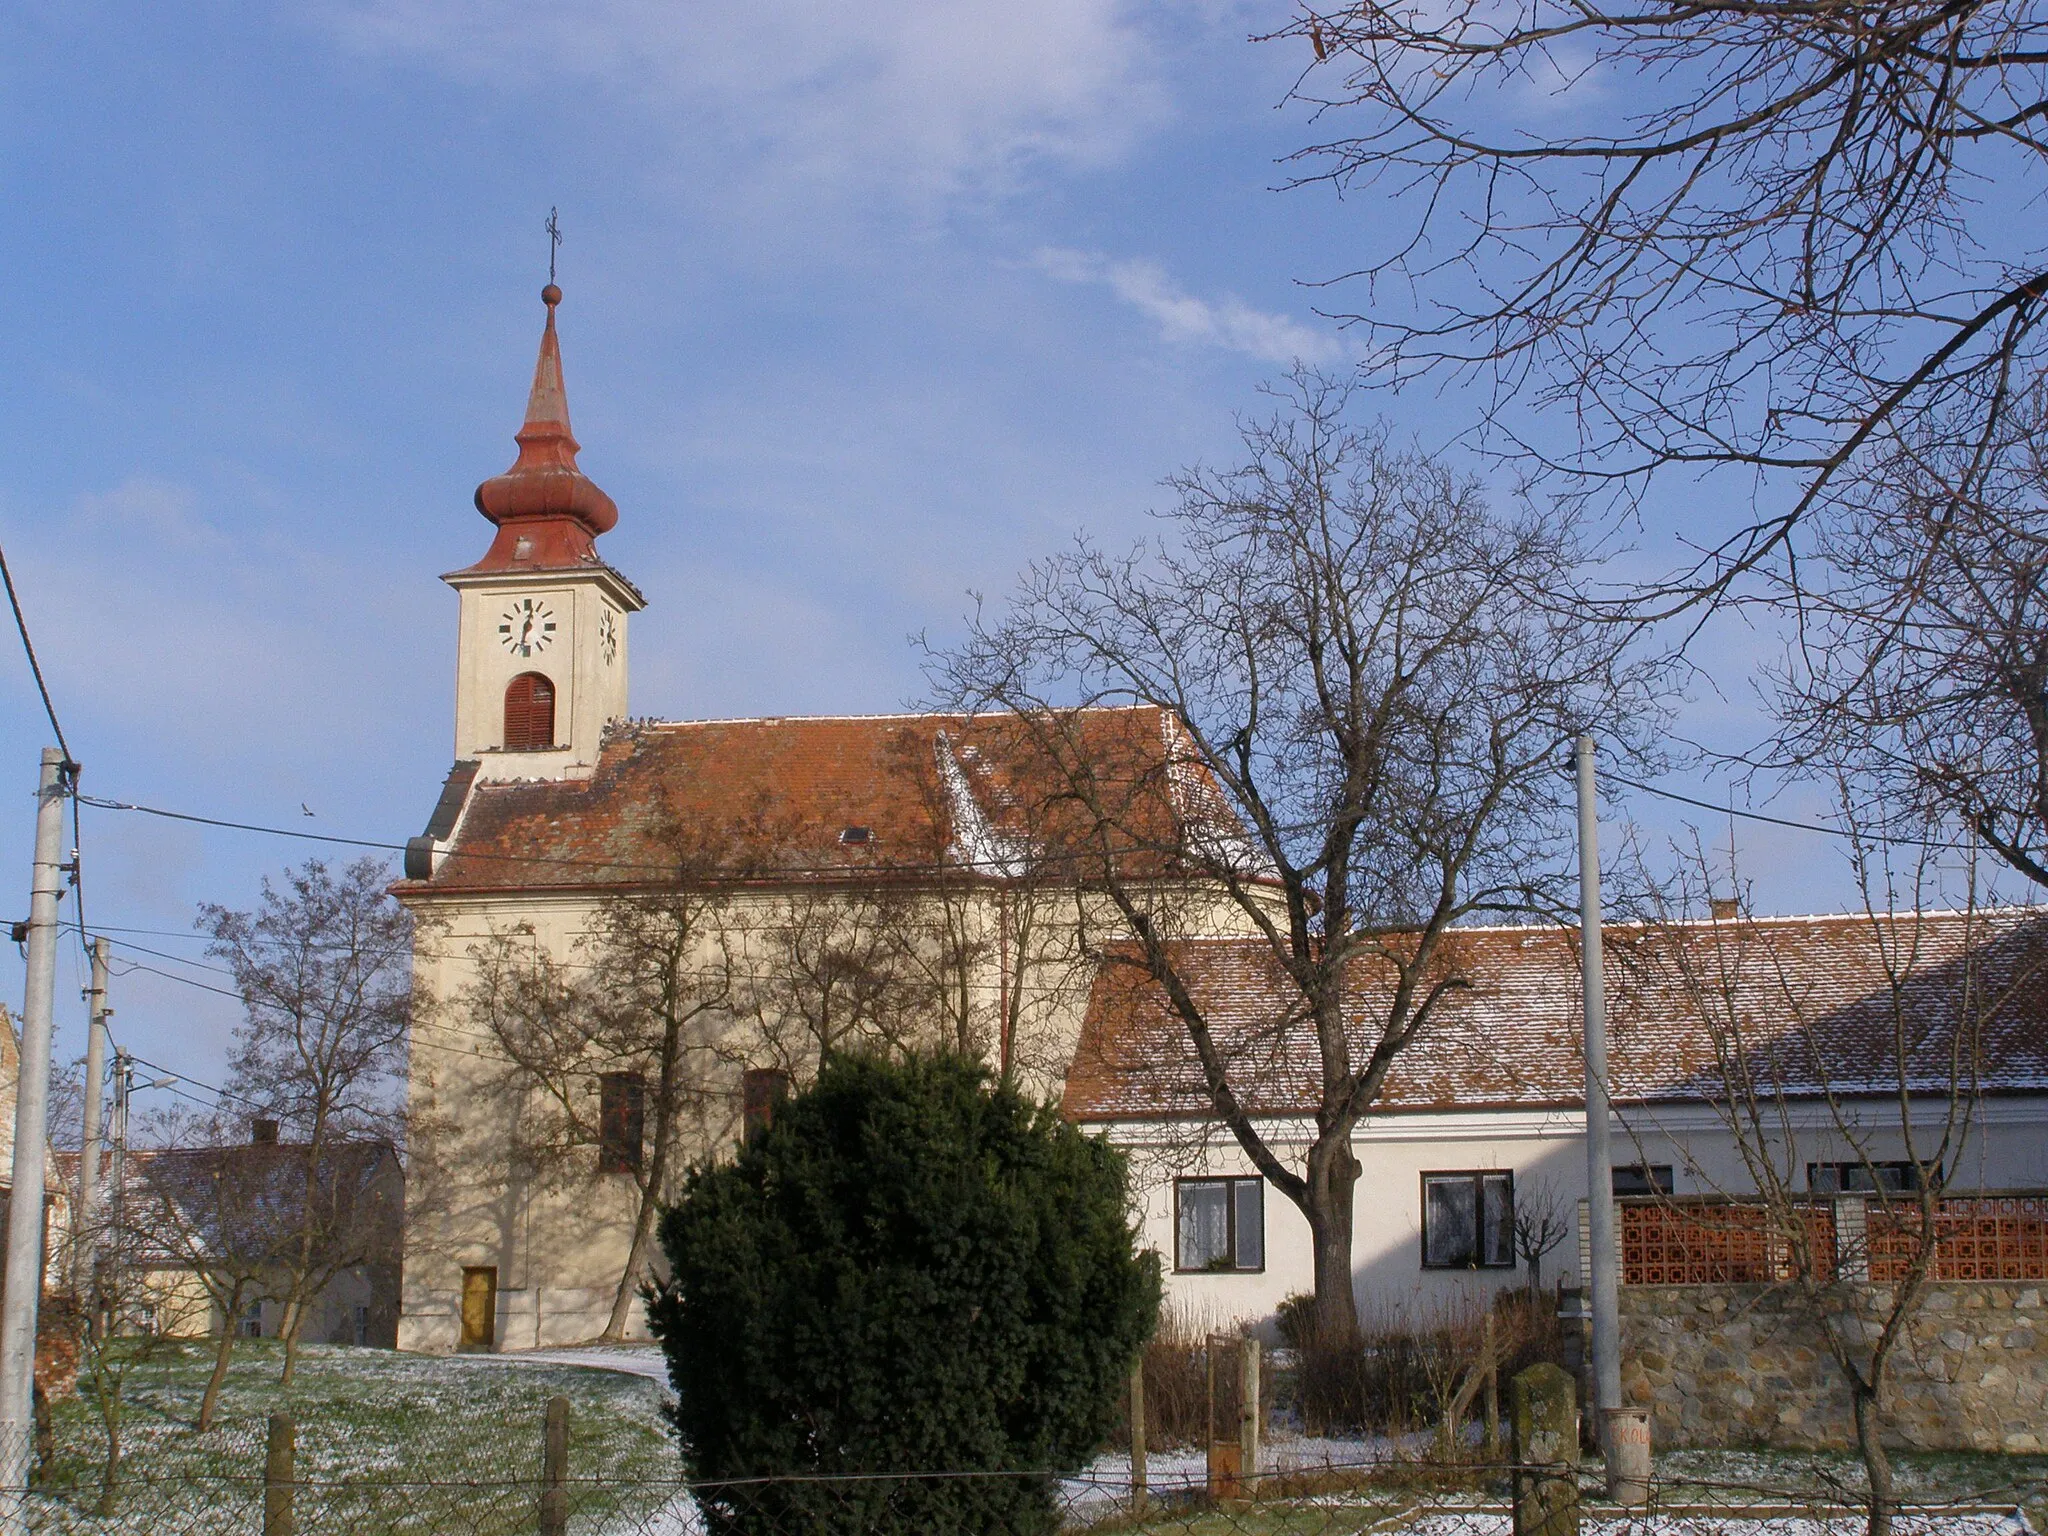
(1745, 1365)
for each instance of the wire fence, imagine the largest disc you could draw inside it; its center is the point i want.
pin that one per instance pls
(255, 1485)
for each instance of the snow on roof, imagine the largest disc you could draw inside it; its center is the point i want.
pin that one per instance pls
(1806, 1004)
(770, 799)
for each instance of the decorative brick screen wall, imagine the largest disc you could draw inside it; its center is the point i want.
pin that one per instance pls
(1718, 1242)
(1977, 1237)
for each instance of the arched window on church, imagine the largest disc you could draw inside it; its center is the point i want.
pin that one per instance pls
(529, 713)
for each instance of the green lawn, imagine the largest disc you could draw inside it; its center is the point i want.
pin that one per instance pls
(386, 1443)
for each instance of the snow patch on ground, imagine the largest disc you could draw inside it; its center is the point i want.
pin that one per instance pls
(627, 1359)
(1498, 1522)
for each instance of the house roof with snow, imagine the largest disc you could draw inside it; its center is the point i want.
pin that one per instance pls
(848, 799)
(1804, 1005)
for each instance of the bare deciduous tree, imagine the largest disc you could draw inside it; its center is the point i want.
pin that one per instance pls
(642, 1004)
(1921, 658)
(1542, 1221)
(1377, 674)
(1876, 1094)
(323, 965)
(1716, 234)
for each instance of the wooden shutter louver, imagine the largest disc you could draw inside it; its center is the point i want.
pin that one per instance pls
(529, 713)
(621, 1122)
(761, 1090)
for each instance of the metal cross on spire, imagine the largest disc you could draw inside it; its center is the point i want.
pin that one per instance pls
(554, 227)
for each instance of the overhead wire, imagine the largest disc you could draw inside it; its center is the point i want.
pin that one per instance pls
(1851, 833)
(35, 666)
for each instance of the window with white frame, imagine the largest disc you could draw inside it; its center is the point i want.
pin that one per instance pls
(1468, 1220)
(1220, 1225)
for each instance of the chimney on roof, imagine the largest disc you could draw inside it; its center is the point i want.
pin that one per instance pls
(263, 1133)
(1724, 909)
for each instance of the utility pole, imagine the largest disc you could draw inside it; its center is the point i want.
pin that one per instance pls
(124, 1084)
(1599, 1166)
(24, 1272)
(89, 1164)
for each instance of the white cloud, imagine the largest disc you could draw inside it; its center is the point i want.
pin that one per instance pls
(928, 95)
(1226, 322)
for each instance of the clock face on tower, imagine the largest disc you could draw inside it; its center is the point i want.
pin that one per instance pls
(607, 635)
(527, 626)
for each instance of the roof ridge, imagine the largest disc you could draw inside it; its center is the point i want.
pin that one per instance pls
(906, 714)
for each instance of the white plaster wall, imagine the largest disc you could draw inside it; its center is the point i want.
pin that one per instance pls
(590, 689)
(559, 1243)
(2006, 1148)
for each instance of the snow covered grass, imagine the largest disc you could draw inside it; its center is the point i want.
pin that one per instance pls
(386, 1442)
(391, 1444)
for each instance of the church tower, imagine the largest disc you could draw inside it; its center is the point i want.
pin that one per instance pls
(540, 659)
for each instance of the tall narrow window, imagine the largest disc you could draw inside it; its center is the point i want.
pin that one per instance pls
(529, 713)
(761, 1090)
(621, 1121)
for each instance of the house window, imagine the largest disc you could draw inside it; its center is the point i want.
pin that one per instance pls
(362, 1322)
(762, 1089)
(1221, 1225)
(621, 1121)
(529, 713)
(1860, 1178)
(1643, 1179)
(252, 1320)
(1468, 1220)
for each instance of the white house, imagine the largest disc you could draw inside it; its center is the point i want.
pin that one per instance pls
(1486, 1112)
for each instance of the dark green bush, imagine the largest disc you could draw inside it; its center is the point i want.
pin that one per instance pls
(913, 1271)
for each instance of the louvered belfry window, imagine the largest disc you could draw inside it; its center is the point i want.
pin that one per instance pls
(529, 713)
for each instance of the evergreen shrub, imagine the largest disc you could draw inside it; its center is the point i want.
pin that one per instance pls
(914, 1270)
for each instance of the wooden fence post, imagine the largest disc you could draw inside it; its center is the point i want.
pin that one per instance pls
(1250, 1419)
(554, 1470)
(278, 1478)
(1492, 1347)
(1138, 1434)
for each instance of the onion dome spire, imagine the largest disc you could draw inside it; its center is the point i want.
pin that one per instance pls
(547, 510)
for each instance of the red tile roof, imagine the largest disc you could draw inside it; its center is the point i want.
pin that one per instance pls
(775, 799)
(1811, 993)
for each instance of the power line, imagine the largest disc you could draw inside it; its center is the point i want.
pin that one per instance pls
(1780, 821)
(238, 826)
(34, 666)
(674, 870)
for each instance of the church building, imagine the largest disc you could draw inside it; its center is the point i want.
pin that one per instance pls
(816, 882)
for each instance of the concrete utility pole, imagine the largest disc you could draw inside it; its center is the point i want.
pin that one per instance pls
(1599, 1167)
(24, 1272)
(89, 1164)
(124, 1084)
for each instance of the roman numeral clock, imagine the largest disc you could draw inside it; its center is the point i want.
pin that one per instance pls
(527, 627)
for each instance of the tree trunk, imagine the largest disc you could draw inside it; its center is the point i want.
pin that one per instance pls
(110, 1469)
(294, 1325)
(211, 1400)
(1877, 1466)
(1332, 1176)
(46, 1430)
(636, 1260)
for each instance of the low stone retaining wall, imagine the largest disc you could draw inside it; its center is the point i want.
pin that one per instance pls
(1733, 1365)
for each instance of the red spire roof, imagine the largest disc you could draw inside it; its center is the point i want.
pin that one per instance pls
(547, 510)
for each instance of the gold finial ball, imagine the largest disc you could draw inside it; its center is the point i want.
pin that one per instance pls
(551, 295)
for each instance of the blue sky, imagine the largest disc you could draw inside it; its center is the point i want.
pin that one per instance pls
(865, 307)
